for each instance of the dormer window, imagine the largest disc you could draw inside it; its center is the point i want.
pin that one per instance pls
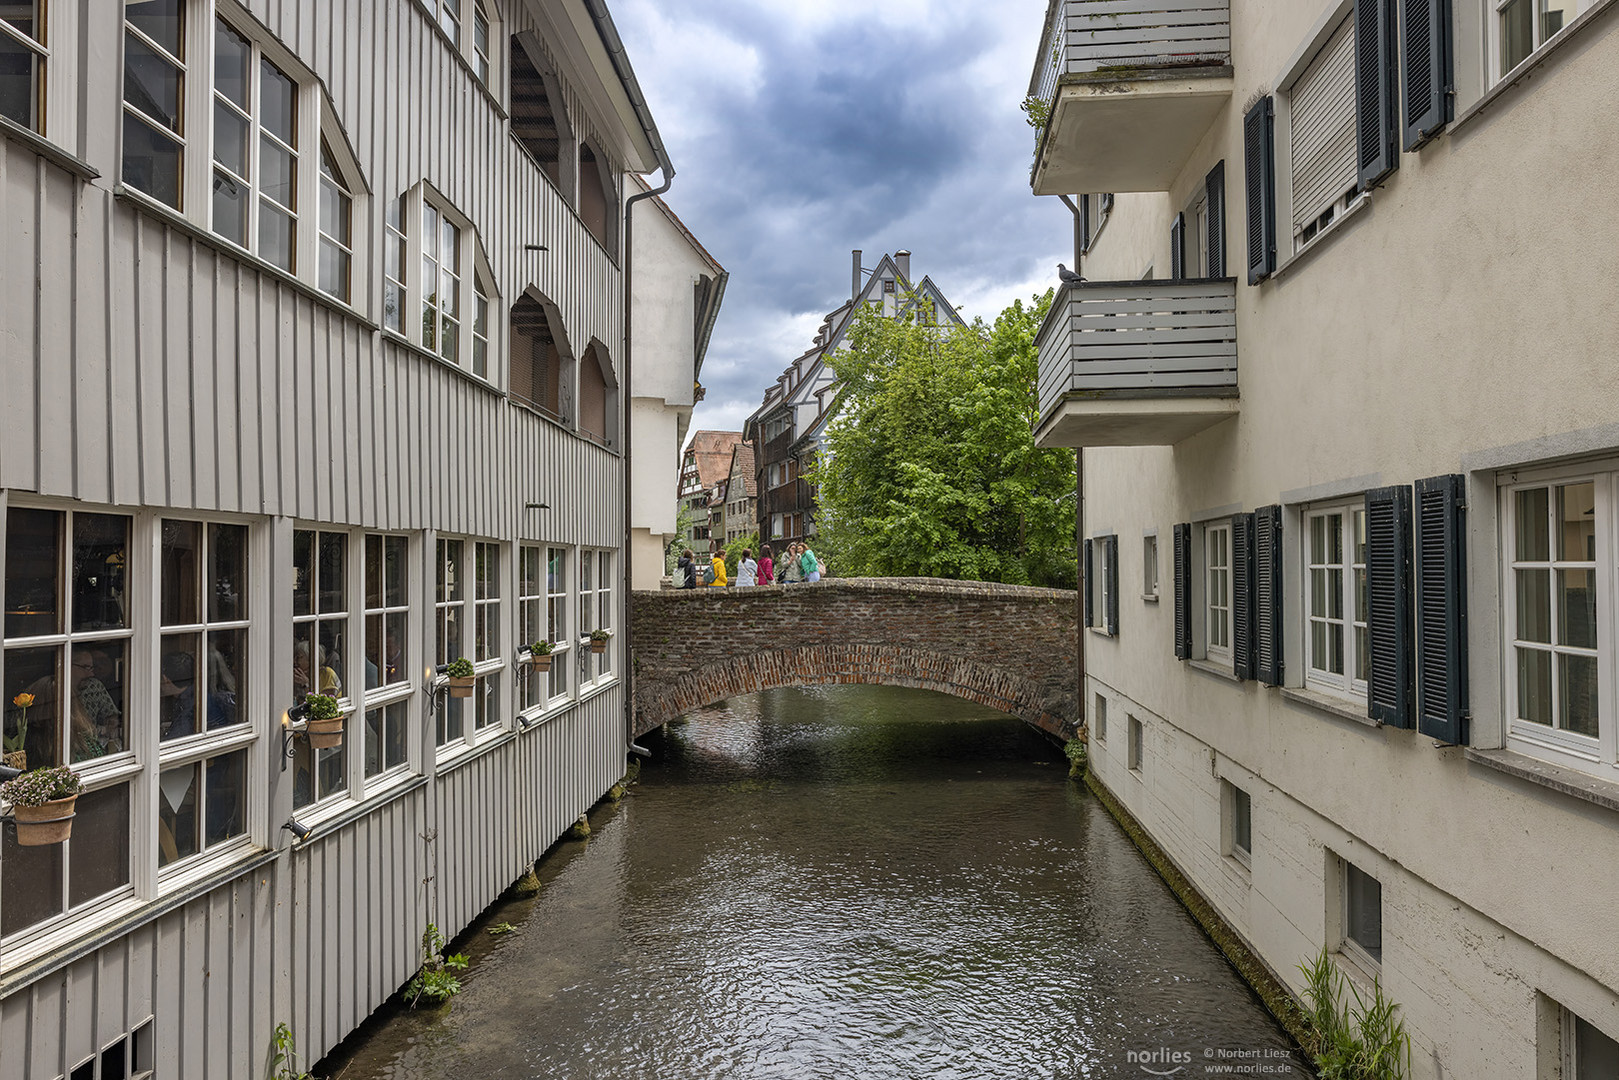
(22, 58)
(431, 251)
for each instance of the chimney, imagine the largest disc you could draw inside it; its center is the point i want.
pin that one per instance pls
(902, 259)
(854, 276)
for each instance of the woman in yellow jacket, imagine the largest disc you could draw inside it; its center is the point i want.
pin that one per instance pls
(719, 569)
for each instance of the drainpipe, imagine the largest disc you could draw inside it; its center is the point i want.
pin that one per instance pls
(1079, 495)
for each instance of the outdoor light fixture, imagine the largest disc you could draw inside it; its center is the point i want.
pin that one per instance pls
(523, 721)
(291, 727)
(298, 829)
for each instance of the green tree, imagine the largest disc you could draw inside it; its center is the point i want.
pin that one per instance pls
(930, 468)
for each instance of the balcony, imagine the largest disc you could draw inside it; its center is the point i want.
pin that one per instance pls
(1137, 363)
(1131, 86)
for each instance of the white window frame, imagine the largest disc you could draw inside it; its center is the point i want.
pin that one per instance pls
(1567, 1053)
(1346, 944)
(1598, 756)
(348, 701)
(560, 620)
(1149, 566)
(1351, 526)
(1216, 614)
(474, 275)
(403, 690)
(1494, 11)
(490, 663)
(1235, 804)
(489, 671)
(457, 22)
(45, 26)
(597, 612)
(1103, 580)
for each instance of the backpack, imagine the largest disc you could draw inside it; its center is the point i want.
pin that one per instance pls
(708, 573)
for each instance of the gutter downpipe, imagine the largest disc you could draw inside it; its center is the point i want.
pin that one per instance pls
(1079, 509)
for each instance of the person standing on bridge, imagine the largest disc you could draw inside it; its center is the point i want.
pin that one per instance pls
(718, 564)
(790, 574)
(767, 566)
(808, 564)
(687, 569)
(747, 571)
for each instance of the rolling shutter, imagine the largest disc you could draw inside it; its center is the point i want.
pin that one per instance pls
(1388, 606)
(1242, 595)
(1183, 591)
(1259, 171)
(1376, 155)
(1110, 545)
(1088, 586)
(1323, 128)
(1441, 590)
(1177, 248)
(1214, 191)
(1428, 65)
(1268, 595)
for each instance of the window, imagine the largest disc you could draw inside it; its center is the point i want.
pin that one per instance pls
(1149, 567)
(449, 621)
(541, 374)
(486, 653)
(132, 1055)
(22, 64)
(595, 612)
(1322, 134)
(1335, 599)
(278, 185)
(1559, 538)
(1583, 1050)
(1362, 916)
(480, 42)
(1133, 752)
(320, 653)
(1217, 587)
(394, 256)
(480, 331)
(441, 285)
(1102, 584)
(538, 121)
(443, 263)
(533, 686)
(449, 18)
(1238, 810)
(1099, 719)
(468, 595)
(556, 618)
(388, 683)
(1522, 26)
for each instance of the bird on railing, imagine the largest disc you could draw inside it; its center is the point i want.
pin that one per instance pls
(1067, 276)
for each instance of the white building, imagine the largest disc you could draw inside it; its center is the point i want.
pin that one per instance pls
(1351, 487)
(314, 361)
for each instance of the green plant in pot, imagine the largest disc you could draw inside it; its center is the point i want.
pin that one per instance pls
(323, 722)
(461, 677)
(42, 804)
(598, 640)
(540, 655)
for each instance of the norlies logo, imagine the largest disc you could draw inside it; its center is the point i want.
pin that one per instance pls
(1163, 1055)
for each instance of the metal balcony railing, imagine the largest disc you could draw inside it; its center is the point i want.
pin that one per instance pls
(1139, 339)
(1122, 37)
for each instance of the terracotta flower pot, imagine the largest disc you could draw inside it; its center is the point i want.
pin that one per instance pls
(51, 823)
(461, 685)
(598, 646)
(324, 734)
(541, 661)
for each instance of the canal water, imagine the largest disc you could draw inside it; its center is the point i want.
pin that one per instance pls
(839, 882)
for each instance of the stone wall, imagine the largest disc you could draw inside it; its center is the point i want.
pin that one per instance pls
(1006, 646)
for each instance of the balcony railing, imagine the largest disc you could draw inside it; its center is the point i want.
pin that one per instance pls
(1122, 37)
(1170, 343)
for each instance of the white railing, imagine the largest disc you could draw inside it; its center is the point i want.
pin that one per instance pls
(1087, 37)
(1139, 338)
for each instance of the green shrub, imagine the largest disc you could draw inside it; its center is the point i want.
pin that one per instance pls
(1358, 1039)
(460, 668)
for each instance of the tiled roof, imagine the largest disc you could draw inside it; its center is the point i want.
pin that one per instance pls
(713, 452)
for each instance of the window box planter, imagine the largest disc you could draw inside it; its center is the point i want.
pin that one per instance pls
(42, 805)
(323, 723)
(461, 676)
(539, 656)
(598, 640)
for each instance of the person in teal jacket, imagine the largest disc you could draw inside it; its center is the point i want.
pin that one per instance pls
(809, 565)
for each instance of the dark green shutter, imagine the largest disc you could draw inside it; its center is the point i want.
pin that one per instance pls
(1441, 572)
(1427, 64)
(1242, 595)
(1177, 247)
(1259, 171)
(1214, 192)
(1388, 606)
(1110, 544)
(1183, 591)
(1268, 595)
(1376, 153)
(1090, 604)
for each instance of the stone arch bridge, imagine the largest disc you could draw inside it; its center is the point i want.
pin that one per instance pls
(1010, 647)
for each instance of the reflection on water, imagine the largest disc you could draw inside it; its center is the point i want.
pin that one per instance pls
(838, 882)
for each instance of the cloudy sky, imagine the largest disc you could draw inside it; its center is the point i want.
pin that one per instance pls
(801, 130)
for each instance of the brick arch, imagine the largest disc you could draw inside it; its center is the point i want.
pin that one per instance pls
(1003, 646)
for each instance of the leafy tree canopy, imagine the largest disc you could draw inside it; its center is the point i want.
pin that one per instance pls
(930, 468)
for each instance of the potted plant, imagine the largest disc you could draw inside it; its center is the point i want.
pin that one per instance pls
(540, 655)
(323, 723)
(461, 677)
(598, 640)
(15, 753)
(42, 804)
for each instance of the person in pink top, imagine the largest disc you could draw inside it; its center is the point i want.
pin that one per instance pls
(767, 566)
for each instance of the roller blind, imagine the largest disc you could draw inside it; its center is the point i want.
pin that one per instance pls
(1323, 128)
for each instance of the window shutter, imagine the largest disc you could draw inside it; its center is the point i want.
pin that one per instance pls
(1110, 544)
(1427, 63)
(1090, 603)
(1242, 595)
(1322, 139)
(1177, 248)
(1214, 191)
(1183, 591)
(1259, 171)
(1388, 606)
(1085, 222)
(1268, 595)
(1441, 572)
(1374, 90)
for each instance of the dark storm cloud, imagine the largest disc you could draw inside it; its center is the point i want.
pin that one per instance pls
(799, 134)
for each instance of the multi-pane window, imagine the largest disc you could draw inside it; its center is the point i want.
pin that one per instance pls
(1217, 586)
(1336, 642)
(321, 656)
(202, 687)
(441, 284)
(388, 686)
(556, 619)
(480, 331)
(22, 63)
(449, 621)
(533, 686)
(449, 18)
(486, 652)
(1322, 136)
(1557, 534)
(336, 240)
(154, 80)
(1522, 26)
(1239, 828)
(604, 607)
(394, 261)
(38, 885)
(480, 42)
(255, 128)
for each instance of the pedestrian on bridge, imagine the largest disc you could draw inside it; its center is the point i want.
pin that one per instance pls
(808, 564)
(686, 568)
(767, 566)
(718, 565)
(747, 571)
(790, 573)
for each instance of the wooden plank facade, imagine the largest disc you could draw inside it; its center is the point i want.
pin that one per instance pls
(155, 372)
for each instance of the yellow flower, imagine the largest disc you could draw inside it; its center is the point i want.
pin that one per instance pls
(23, 700)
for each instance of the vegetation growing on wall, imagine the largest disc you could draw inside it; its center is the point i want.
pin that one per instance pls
(931, 468)
(1354, 1037)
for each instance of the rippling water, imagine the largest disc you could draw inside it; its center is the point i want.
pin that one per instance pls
(838, 882)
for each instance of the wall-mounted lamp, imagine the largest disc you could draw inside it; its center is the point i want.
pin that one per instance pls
(292, 726)
(524, 722)
(298, 829)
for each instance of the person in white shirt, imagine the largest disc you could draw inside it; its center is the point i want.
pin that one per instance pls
(747, 571)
